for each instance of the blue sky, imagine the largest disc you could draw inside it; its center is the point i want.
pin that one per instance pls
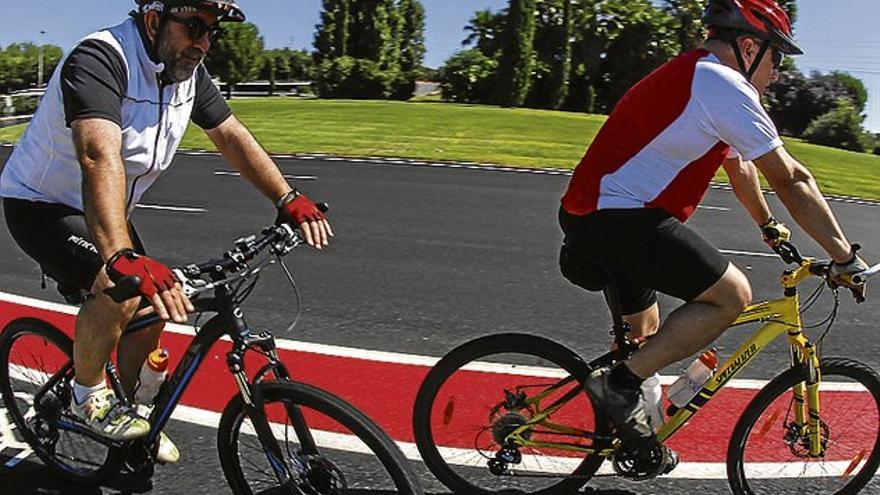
(836, 34)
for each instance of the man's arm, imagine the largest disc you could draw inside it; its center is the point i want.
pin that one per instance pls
(98, 142)
(239, 146)
(744, 179)
(797, 190)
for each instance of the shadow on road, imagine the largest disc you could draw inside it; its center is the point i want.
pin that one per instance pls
(33, 478)
(28, 478)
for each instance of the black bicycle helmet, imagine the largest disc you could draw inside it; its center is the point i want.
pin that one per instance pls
(226, 10)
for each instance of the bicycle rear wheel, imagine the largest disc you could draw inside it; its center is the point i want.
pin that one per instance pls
(480, 392)
(35, 369)
(767, 455)
(353, 454)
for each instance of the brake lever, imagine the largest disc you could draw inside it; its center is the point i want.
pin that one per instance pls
(192, 287)
(788, 252)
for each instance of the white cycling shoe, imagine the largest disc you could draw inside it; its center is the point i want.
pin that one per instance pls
(105, 414)
(167, 452)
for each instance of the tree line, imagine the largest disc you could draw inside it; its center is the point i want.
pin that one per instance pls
(583, 55)
(19, 65)
(369, 48)
(363, 49)
(576, 55)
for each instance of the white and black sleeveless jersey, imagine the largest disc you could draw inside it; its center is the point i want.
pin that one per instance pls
(109, 75)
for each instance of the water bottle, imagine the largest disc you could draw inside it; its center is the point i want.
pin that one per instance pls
(153, 373)
(691, 382)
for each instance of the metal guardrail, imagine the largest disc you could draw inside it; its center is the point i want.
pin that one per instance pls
(17, 119)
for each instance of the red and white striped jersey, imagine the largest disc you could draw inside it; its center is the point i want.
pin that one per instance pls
(668, 136)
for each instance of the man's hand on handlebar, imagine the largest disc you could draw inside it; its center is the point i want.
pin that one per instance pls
(775, 233)
(156, 283)
(296, 208)
(842, 274)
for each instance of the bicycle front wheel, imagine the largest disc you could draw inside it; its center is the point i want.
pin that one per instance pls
(483, 391)
(329, 446)
(36, 365)
(769, 455)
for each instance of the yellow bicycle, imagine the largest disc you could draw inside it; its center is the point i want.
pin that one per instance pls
(506, 413)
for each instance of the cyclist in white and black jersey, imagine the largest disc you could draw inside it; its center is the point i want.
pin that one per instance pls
(648, 169)
(109, 124)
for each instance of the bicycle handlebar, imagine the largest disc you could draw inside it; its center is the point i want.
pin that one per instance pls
(861, 278)
(281, 239)
(789, 253)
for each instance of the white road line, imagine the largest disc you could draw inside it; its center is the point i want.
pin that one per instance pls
(530, 463)
(401, 358)
(468, 457)
(179, 209)
(748, 253)
(713, 208)
(224, 173)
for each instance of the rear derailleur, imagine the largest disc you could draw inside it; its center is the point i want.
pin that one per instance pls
(508, 455)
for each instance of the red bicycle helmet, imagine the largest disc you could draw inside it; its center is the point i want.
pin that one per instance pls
(226, 10)
(762, 18)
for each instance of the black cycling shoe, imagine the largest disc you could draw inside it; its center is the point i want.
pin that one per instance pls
(626, 409)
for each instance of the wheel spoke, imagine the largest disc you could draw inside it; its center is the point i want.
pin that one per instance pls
(32, 355)
(849, 431)
(481, 393)
(346, 444)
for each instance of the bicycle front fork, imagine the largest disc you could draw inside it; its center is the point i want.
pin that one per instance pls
(808, 420)
(287, 470)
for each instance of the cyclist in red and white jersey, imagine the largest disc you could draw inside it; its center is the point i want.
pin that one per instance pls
(648, 169)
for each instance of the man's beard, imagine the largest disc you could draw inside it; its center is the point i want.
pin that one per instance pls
(179, 67)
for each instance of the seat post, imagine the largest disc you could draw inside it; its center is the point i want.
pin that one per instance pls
(620, 328)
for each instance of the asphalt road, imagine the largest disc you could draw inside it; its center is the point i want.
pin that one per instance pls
(426, 258)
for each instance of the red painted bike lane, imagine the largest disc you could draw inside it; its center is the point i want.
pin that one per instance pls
(385, 391)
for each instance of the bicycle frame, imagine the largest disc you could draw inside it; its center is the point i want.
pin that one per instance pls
(780, 316)
(228, 321)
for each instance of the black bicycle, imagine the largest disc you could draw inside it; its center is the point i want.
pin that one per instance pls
(275, 436)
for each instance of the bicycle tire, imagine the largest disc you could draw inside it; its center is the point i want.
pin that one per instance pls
(16, 367)
(745, 484)
(527, 345)
(321, 408)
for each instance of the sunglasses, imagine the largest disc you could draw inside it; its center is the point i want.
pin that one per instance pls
(778, 57)
(196, 27)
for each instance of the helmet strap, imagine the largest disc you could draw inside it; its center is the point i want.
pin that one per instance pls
(750, 71)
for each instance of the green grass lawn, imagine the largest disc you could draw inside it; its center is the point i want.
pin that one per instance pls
(441, 131)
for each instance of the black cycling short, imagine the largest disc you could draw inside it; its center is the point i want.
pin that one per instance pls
(645, 250)
(57, 237)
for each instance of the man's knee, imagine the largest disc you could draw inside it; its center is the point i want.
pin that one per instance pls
(731, 292)
(106, 309)
(645, 322)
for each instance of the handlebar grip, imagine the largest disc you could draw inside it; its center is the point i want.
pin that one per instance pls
(861, 278)
(323, 207)
(126, 288)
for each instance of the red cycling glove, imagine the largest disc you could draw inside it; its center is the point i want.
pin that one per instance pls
(299, 210)
(155, 277)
